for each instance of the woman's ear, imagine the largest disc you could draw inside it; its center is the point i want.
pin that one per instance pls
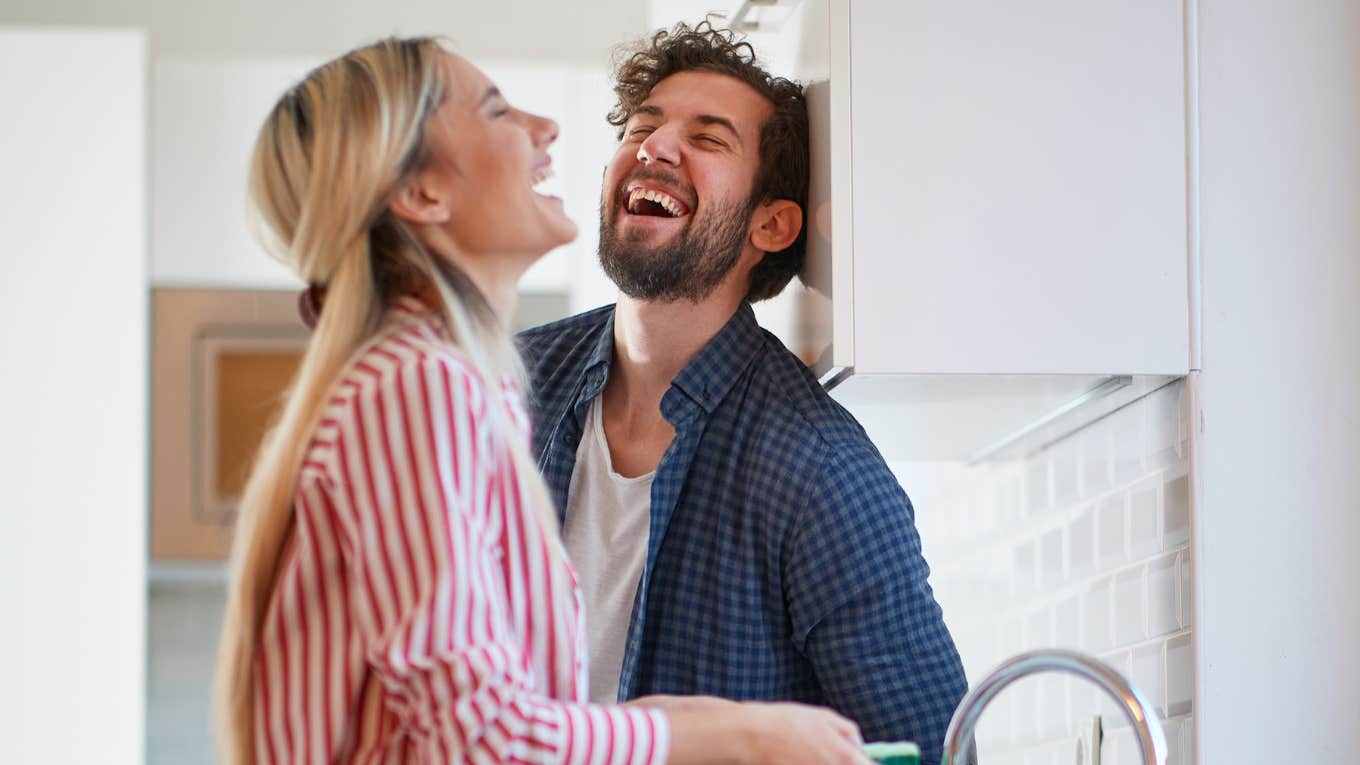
(419, 203)
(776, 225)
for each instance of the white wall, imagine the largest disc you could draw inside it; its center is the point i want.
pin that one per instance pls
(206, 110)
(73, 462)
(1278, 577)
(535, 30)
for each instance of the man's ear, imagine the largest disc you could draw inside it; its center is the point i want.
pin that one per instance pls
(776, 224)
(419, 203)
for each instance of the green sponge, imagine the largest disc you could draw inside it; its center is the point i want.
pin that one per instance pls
(894, 753)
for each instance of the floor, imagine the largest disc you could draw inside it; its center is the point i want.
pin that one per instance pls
(183, 622)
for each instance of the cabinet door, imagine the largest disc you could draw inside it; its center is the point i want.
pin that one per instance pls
(1019, 186)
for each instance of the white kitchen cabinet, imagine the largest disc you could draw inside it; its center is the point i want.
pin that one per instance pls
(1018, 186)
(999, 190)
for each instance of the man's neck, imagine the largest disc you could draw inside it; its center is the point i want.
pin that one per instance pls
(653, 341)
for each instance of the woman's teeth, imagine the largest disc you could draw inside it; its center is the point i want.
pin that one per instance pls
(542, 176)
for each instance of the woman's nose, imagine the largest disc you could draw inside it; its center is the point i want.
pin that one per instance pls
(659, 146)
(543, 129)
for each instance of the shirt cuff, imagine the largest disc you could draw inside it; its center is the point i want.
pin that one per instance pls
(595, 734)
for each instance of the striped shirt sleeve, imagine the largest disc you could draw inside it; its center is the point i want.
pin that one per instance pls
(431, 582)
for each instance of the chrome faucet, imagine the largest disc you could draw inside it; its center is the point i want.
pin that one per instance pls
(1151, 739)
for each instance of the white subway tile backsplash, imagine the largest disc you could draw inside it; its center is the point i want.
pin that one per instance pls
(1127, 433)
(1149, 675)
(998, 581)
(1164, 415)
(1085, 546)
(1053, 714)
(1145, 518)
(1011, 498)
(1051, 560)
(1084, 704)
(1037, 493)
(1111, 532)
(987, 733)
(1097, 469)
(1129, 614)
(1039, 628)
(1067, 466)
(1024, 570)
(1163, 596)
(1186, 610)
(1176, 512)
(1067, 623)
(1121, 748)
(1172, 730)
(1014, 638)
(1099, 621)
(1026, 693)
(1180, 675)
(1081, 545)
(1112, 716)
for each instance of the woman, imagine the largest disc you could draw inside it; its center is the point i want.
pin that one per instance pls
(398, 590)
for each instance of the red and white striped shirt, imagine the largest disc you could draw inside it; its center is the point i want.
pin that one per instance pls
(418, 615)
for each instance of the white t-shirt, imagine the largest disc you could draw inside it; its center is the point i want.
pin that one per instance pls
(608, 520)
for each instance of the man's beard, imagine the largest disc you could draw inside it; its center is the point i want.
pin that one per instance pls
(689, 267)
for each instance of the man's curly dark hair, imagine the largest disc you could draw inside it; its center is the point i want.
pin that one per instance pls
(783, 170)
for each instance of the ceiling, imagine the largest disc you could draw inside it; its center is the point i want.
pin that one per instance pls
(509, 29)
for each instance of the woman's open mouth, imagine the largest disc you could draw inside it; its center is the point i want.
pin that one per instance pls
(538, 182)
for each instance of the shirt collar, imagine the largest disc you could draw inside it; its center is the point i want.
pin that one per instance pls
(597, 365)
(708, 376)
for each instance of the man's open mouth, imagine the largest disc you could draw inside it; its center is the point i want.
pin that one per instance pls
(655, 203)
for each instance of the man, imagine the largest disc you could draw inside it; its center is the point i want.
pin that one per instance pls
(734, 530)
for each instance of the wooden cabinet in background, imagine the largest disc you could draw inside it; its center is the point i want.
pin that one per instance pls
(221, 362)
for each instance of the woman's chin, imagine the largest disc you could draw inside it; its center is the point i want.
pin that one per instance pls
(564, 230)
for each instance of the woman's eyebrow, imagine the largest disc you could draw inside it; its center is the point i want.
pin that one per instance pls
(491, 92)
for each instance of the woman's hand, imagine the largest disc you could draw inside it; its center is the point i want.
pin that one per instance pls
(797, 733)
(705, 729)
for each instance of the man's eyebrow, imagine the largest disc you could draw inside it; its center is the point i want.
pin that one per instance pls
(649, 110)
(491, 92)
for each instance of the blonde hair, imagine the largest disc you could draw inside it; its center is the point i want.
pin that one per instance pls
(325, 164)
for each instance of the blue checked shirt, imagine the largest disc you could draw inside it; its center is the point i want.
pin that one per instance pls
(783, 560)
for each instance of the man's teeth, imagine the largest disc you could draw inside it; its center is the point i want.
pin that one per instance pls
(665, 200)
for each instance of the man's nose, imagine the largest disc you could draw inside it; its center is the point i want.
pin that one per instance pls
(662, 145)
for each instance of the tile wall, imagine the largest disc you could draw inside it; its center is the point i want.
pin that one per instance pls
(1084, 545)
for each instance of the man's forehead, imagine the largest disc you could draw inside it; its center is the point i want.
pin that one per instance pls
(696, 92)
